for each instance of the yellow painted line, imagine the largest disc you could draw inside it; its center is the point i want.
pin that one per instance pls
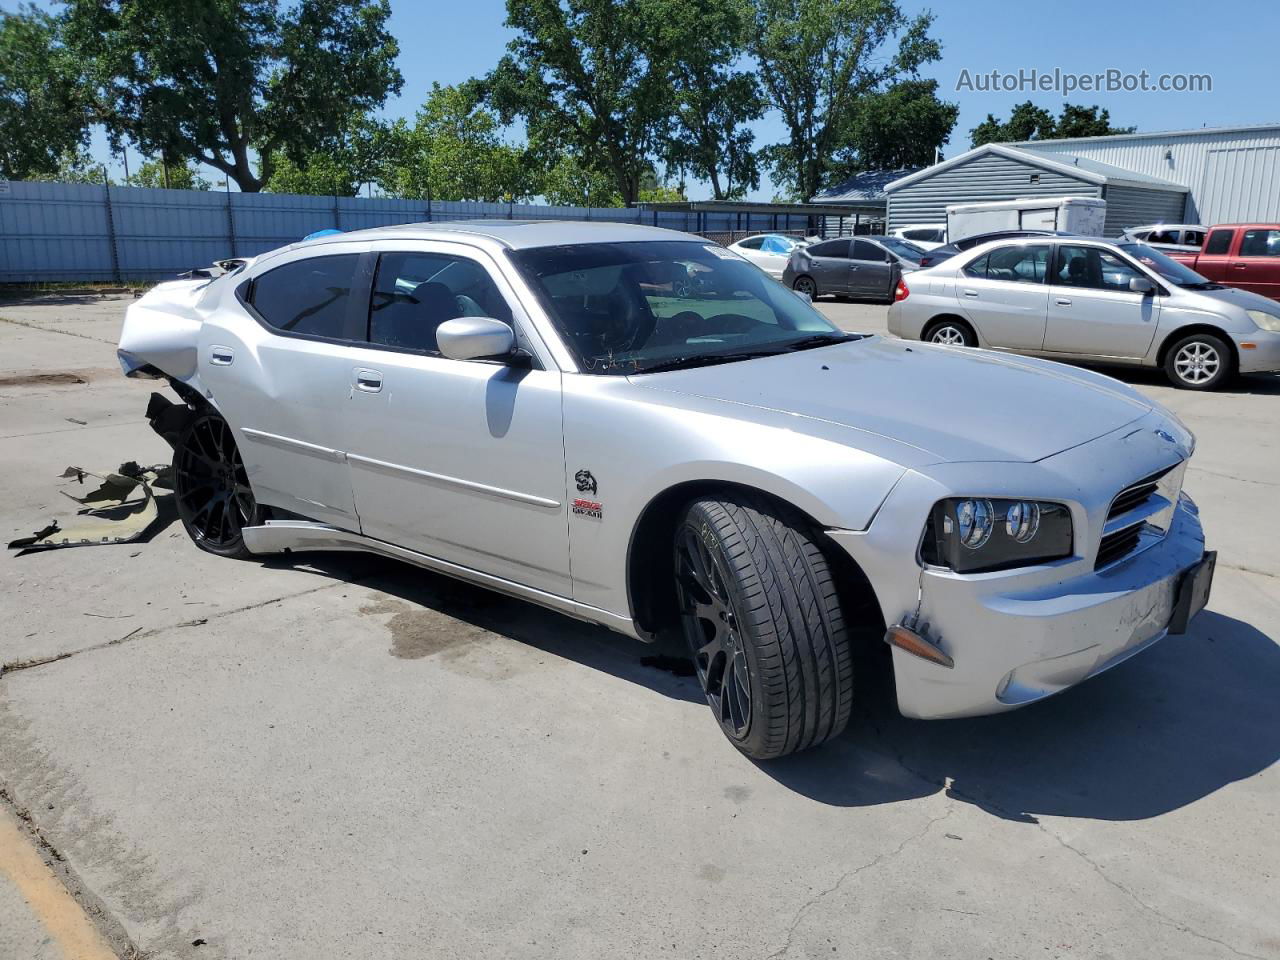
(55, 908)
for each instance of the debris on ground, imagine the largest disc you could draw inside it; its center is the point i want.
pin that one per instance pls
(118, 510)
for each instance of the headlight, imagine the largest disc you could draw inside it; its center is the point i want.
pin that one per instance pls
(1264, 320)
(976, 534)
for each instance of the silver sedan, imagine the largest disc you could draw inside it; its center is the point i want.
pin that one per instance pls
(552, 410)
(1081, 298)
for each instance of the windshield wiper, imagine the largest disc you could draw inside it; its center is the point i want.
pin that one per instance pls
(1202, 285)
(705, 360)
(822, 340)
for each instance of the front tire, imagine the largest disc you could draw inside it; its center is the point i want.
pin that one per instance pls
(211, 487)
(1199, 361)
(760, 611)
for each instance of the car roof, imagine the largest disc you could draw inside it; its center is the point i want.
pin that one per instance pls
(517, 234)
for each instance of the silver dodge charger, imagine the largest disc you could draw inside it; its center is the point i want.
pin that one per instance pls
(636, 427)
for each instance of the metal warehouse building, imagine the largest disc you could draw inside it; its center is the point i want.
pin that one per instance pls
(1196, 176)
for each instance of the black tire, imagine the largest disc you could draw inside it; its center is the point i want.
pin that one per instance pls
(1199, 361)
(806, 284)
(211, 488)
(761, 614)
(950, 331)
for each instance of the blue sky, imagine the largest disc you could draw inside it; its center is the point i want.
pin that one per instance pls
(1232, 40)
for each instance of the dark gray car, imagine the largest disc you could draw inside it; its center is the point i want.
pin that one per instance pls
(862, 267)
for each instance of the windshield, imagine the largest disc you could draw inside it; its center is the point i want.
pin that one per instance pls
(1167, 267)
(632, 307)
(775, 243)
(903, 248)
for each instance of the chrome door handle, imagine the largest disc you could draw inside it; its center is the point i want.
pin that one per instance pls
(222, 356)
(971, 293)
(370, 381)
(1063, 302)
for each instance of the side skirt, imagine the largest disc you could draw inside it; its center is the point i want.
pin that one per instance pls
(285, 536)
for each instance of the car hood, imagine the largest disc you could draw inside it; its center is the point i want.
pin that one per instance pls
(955, 404)
(1244, 299)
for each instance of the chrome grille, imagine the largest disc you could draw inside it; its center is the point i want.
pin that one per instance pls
(1117, 545)
(1135, 494)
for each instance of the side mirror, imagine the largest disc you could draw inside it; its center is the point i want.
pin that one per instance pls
(1142, 285)
(475, 338)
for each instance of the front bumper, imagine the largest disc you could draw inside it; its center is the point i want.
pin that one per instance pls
(1022, 635)
(1263, 356)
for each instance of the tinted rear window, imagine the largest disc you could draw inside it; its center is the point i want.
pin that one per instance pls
(308, 297)
(1219, 241)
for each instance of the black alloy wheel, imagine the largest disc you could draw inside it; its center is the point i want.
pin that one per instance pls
(215, 500)
(711, 627)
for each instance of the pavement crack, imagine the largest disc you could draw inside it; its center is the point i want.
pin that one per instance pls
(66, 333)
(14, 666)
(875, 861)
(1149, 908)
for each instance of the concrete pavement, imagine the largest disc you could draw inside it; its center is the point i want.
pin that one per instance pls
(342, 756)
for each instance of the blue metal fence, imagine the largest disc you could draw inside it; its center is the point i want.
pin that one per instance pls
(87, 232)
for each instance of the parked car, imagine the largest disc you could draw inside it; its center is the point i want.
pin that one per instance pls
(923, 235)
(528, 407)
(1079, 298)
(864, 267)
(1183, 237)
(768, 251)
(940, 254)
(1244, 255)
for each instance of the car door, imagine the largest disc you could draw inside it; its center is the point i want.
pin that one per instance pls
(282, 380)
(1003, 294)
(1257, 265)
(1214, 260)
(829, 264)
(458, 459)
(869, 270)
(1091, 308)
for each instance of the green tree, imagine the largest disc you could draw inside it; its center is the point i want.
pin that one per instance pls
(353, 158)
(703, 41)
(156, 173)
(588, 77)
(901, 126)
(75, 167)
(1029, 122)
(818, 59)
(1081, 121)
(568, 183)
(453, 151)
(44, 105)
(222, 80)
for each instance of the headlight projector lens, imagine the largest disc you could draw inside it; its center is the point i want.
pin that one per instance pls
(976, 519)
(1022, 522)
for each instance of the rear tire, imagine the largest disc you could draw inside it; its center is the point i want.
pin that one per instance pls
(211, 487)
(806, 285)
(950, 332)
(1199, 361)
(761, 614)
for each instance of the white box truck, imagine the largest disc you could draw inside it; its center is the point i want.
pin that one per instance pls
(1082, 215)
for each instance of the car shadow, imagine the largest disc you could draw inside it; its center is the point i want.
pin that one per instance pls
(1169, 727)
(657, 667)
(1264, 384)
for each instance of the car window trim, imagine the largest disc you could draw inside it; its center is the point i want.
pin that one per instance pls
(361, 284)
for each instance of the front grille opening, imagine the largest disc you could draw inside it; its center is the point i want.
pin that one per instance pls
(1135, 494)
(1117, 545)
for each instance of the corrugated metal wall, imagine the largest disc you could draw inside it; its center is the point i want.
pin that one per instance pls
(1232, 176)
(1135, 206)
(988, 177)
(79, 232)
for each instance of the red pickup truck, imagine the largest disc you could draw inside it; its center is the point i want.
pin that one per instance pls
(1244, 255)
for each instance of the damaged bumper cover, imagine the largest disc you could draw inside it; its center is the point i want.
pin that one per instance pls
(119, 510)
